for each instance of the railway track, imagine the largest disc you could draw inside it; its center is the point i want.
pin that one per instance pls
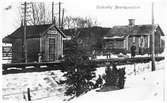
(57, 65)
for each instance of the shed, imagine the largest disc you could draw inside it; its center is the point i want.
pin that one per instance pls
(45, 41)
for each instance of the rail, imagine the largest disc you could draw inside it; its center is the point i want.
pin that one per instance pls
(37, 67)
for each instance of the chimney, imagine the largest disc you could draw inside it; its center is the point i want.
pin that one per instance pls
(131, 22)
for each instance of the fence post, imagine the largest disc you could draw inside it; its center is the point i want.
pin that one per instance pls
(135, 68)
(28, 94)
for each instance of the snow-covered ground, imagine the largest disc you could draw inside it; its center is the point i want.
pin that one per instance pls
(124, 56)
(141, 85)
(41, 84)
(146, 86)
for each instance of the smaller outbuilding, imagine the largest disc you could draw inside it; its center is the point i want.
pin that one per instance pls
(44, 43)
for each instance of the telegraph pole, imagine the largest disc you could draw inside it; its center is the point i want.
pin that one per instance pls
(59, 14)
(52, 12)
(153, 42)
(25, 35)
(62, 21)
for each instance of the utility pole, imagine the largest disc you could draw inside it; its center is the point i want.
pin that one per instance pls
(52, 12)
(25, 35)
(62, 21)
(59, 14)
(44, 14)
(153, 42)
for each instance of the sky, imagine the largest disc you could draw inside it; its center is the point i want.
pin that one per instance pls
(107, 12)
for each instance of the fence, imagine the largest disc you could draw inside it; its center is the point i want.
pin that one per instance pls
(30, 95)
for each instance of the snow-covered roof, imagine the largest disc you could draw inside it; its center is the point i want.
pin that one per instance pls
(135, 30)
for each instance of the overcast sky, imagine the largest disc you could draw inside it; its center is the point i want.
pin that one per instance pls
(107, 12)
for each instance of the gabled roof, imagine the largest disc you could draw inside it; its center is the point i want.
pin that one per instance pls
(135, 30)
(33, 31)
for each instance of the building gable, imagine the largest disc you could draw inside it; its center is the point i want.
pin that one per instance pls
(160, 30)
(53, 30)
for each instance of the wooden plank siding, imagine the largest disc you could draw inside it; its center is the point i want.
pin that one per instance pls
(58, 46)
(17, 51)
(137, 41)
(33, 49)
(38, 45)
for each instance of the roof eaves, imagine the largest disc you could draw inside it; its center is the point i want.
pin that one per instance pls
(161, 31)
(62, 33)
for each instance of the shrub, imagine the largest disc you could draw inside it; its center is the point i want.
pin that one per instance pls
(80, 70)
(114, 77)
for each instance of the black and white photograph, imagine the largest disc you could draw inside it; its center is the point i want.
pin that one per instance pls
(83, 51)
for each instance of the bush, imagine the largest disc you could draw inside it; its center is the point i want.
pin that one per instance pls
(115, 77)
(99, 82)
(80, 70)
(121, 79)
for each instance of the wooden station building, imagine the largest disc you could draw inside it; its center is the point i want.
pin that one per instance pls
(45, 41)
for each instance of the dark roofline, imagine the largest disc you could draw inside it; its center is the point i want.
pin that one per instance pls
(37, 30)
(20, 29)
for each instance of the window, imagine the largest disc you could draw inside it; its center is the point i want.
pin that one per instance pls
(133, 39)
(141, 42)
(51, 49)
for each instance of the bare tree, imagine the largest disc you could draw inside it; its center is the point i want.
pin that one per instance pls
(78, 22)
(67, 22)
(39, 14)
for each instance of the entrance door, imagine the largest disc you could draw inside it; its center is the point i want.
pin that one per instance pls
(51, 49)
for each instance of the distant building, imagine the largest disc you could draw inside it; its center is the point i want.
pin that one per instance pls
(89, 38)
(122, 38)
(42, 40)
